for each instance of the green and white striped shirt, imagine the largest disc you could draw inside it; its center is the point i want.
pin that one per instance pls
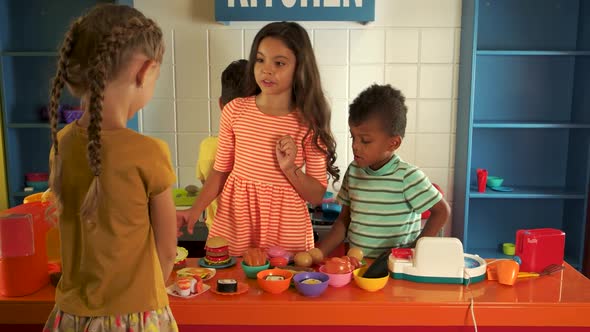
(386, 204)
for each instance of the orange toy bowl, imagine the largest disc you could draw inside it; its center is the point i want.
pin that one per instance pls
(274, 286)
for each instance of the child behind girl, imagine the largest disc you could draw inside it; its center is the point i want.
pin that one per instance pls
(112, 186)
(274, 148)
(232, 86)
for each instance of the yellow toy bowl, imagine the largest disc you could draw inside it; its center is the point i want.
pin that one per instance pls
(33, 198)
(39, 197)
(368, 284)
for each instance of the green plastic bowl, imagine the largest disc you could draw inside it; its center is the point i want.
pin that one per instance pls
(494, 181)
(252, 271)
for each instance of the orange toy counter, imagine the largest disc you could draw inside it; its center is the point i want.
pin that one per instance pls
(559, 302)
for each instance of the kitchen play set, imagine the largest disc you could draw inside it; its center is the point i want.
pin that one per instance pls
(25, 267)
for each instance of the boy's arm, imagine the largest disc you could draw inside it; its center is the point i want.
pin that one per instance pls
(439, 214)
(337, 233)
(162, 213)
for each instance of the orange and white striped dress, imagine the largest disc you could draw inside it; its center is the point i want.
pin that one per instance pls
(258, 206)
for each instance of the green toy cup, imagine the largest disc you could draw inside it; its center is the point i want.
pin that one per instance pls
(494, 181)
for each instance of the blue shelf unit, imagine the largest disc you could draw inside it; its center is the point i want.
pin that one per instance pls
(524, 115)
(31, 33)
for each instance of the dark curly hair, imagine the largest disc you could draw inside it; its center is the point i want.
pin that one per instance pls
(384, 102)
(232, 81)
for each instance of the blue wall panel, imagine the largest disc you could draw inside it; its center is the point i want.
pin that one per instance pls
(528, 24)
(523, 88)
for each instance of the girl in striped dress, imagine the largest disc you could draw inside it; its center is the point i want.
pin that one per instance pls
(275, 148)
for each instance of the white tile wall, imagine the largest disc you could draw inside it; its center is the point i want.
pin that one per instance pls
(411, 117)
(335, 81)
(331, 47)
(432, 150)
(192, 115)
(159, 116)
(225, 46)
(367, 46)
(434, 116)
(437, 45)
(401, 45)
(165, 84)
(403, 77)
(413, 45)
(362, 76)
(436, 81)
(339, 123)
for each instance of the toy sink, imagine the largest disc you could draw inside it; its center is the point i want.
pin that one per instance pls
(436, 260)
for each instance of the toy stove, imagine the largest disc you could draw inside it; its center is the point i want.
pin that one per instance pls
(436, 260)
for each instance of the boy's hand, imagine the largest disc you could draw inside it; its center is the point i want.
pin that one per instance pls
(286, 151)
(187, 217)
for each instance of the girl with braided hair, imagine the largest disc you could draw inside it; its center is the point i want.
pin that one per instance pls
(111, 185)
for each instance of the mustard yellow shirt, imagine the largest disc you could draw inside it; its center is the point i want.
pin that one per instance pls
(111, 267)
(207, 151)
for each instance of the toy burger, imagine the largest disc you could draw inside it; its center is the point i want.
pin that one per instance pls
(216, 251)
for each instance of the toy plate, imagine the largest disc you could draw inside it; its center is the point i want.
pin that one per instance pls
(171, 291)
(231, 262)
(181, 254)
(242, 288)
(501, 188)
(189, 271)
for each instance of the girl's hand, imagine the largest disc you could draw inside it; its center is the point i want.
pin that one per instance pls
(286, 151)
(186, 217)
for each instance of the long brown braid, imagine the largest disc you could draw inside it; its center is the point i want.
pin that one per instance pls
(95, 49)
(57, 87)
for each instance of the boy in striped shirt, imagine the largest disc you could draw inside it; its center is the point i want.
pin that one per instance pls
(382, 196)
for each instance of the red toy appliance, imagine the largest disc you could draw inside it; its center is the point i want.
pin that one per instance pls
(539, 248)
(23, 252)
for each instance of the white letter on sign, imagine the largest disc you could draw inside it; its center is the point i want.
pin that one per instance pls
(331, 3)
(289, 3)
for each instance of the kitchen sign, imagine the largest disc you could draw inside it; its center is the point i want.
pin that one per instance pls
(295, 10)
